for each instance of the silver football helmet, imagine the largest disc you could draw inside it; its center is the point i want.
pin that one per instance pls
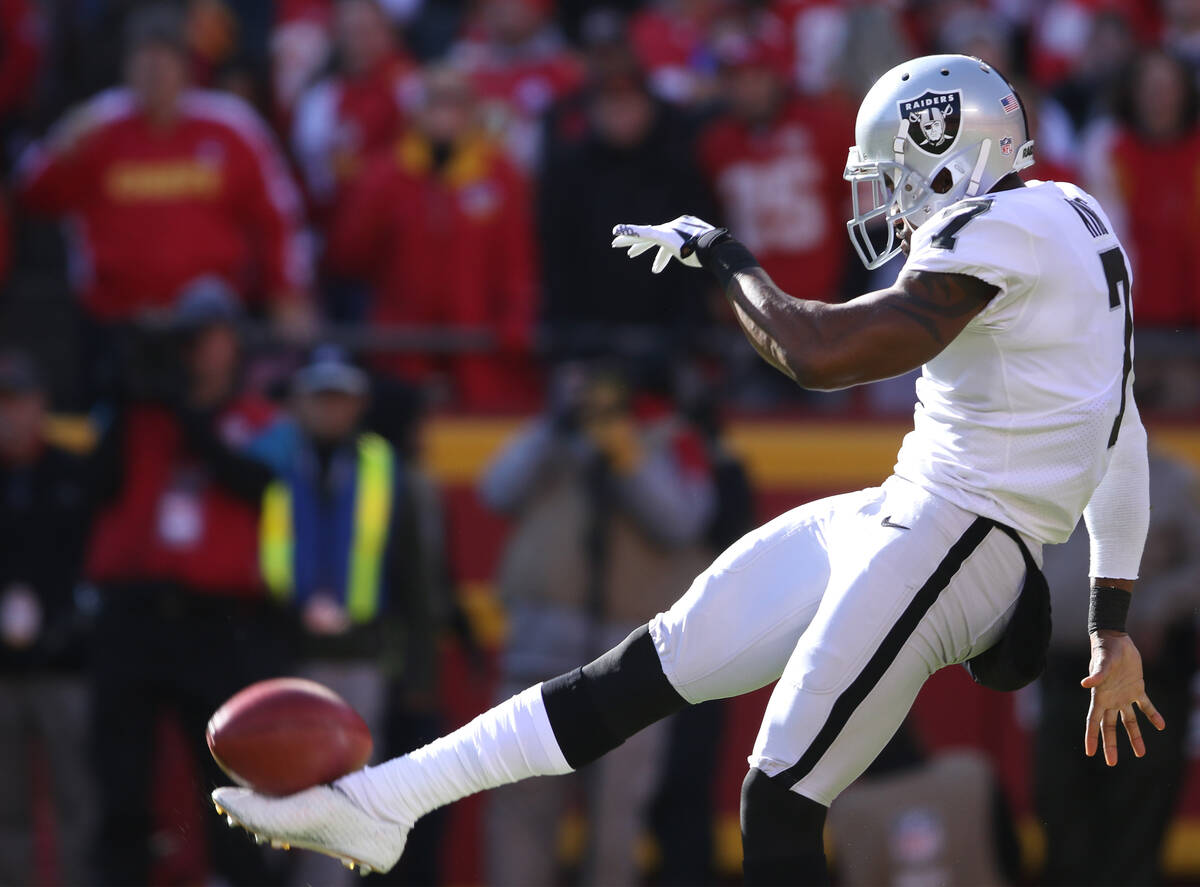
(930, 132)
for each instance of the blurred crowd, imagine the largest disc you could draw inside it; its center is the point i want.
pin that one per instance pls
(250, 243)
(433, 182)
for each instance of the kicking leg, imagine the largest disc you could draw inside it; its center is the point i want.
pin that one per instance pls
(732, 632)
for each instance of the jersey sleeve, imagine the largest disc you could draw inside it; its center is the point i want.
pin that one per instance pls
(980, 239)
(1118, 514)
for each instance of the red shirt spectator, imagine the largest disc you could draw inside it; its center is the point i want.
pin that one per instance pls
(20, 54)
(155, 208)
(775, 163)
(441, 226)
(1159, 191)
(182, 498)
(171, 523)
(1062, 37)
(671, 42)
(359, 110)
(1146, 172)
(519, 66)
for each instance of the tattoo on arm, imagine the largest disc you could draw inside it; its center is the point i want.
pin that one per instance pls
(750, 294)
(939, 302)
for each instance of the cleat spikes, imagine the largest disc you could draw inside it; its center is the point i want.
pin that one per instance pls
(319, 819)
(230, 821)
(220, 809)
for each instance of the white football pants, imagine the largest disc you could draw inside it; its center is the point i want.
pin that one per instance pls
(851, 602)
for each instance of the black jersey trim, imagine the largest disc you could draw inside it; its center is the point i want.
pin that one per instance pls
(852, 697)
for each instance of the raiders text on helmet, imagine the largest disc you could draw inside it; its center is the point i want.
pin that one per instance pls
(937, 113)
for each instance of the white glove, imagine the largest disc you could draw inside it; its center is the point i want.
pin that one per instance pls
(668, 238)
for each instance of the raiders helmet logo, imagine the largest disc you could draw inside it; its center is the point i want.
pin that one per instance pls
(933, 120)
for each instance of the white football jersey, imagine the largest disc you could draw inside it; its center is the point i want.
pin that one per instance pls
(1017, 415)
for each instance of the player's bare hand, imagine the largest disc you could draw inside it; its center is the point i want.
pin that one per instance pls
(1116, 683)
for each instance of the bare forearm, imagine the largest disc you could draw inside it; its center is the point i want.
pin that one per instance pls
(775, 323)
(828, 346)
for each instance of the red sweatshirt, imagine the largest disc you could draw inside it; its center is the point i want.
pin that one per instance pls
(782, 193)
(449, 248)
(153, 209)
(21, 46)
(342, 121)
(171, 522)
(1159, 185)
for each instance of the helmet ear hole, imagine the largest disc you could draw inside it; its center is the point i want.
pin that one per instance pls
(942, 182)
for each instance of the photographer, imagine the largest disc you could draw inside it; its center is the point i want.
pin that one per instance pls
(183, 622)
(609, 496)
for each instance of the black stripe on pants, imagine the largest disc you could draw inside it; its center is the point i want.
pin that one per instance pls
(852, 697)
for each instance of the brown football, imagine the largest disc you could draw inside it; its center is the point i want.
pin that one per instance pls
(287, 734)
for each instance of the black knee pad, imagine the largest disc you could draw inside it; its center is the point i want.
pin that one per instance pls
(595, 708)
(782, 834)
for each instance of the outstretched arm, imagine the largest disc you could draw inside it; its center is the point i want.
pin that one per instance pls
(819, 345)
(876, 336)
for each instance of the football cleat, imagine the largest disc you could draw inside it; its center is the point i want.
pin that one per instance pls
(322, 819)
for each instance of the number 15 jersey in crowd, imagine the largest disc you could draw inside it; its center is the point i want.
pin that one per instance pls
(1016, 418)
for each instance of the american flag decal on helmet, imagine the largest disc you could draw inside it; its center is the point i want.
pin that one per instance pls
(1009, 103)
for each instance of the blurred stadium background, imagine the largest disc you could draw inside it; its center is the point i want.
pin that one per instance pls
(263, 262)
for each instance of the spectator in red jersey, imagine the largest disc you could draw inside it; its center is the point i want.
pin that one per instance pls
(1145, 170)
(164, 184)
(356, 111)
(1060, 38)
(843, 45)
(519, 66)
(440, 226)
(301, 41)
(20, 57)
(184, 620)
(775, 161)
(671, 39)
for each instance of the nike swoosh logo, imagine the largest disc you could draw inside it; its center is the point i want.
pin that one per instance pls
(887, 522)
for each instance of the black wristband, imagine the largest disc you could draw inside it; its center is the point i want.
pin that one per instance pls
(720, 254)
(1108, 609)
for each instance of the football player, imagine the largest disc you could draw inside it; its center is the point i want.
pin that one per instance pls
(1015, 300)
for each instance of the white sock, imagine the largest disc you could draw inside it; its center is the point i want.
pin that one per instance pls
(512, 741)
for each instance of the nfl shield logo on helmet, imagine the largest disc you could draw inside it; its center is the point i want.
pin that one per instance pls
(932, 120)
(1006, 146)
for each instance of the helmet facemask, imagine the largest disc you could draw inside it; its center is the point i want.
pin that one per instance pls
(901, 197)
